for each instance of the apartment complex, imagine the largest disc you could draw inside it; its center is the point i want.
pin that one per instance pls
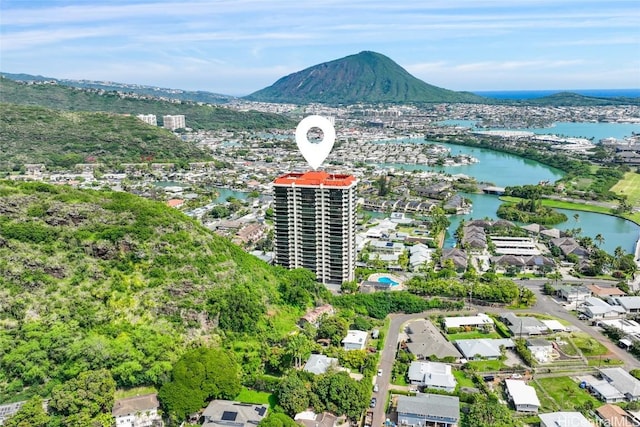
(173, 122)
(315, 224)
(149, 119)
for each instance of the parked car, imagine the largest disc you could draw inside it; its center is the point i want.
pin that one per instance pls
(379, 372)
(375, 388)
(373, 402)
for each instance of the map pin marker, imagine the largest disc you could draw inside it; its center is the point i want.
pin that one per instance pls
(315, 153)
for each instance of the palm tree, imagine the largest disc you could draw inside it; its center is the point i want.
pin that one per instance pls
(576, 217)
(599, 239)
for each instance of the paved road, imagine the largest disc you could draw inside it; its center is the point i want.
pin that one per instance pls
(387, 357)
(546, 305)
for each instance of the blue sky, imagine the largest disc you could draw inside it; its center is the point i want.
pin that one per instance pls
(239, 46)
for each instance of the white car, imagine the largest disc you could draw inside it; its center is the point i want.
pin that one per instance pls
(379, 372)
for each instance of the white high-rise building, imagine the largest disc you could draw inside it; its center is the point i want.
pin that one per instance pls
(315, 224)
(148, 119)
(173, 122)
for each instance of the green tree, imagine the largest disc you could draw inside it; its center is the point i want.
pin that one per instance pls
(333, 328)
(293, 395)
(31, 414)
(200, 375)
(349, 287)
(487, 411)
(87, 397)
(339, 393)
(277, 420)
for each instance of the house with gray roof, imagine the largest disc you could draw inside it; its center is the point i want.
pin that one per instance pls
(631, 304)
(623, 381)
(523, 396)
(233, 414)
(432, 375)
(425, 341)
(483, 348)
(595, 308)
(428, 409)
(318, 364)
(524, 326)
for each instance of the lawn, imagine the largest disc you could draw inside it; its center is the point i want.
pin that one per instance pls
(559, 204)
(587, 345)
(629, 186)
(256, 397)
(462, 379)
(566, 393)
(135, 391)
(472, 335)
(487, 365)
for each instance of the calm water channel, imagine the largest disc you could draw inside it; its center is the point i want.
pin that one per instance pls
(505, 169)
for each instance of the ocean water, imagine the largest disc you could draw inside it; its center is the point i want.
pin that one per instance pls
(529, 94)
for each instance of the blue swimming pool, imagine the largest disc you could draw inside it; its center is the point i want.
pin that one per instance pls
(387, 280)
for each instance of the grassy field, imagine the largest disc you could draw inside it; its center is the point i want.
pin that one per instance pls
(559, 204)
(487, 365)
(462, 379)
(472, 335)
(630, 187)
(566, 393)
(256, 397)
(135, 391)
(588, 346)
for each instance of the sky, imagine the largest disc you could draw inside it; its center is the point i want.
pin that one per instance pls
(236, 47)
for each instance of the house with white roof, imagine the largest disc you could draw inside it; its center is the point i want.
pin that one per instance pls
(477, 321)
(420, 254)
(623, 381)
(523, 396)
(355, 340)
(432, 375)
(319, 364)
(137, 411)
(540, 349)
(595, 308)
(564, 419)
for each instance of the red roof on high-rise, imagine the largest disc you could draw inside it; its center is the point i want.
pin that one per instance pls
(314, 178)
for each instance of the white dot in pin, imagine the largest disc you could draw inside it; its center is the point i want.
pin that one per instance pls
(315, 153)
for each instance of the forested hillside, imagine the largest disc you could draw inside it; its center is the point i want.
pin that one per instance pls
(92, 280)
(197, 116)
(62, 139)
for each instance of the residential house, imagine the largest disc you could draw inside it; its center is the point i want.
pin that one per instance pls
(540, 349)
(522, 246)
(569, 245)
(235, 414)
(457, 256)
(355, 340)
(318, 364)
(311, 419)
(605, 291)
(524, 326)
(313, 317)
(474, 238)
(631, 304)
(431, 375)
(623, 381)
(564, 419)
(523, 396)
(615, 416)
(573, 293)
(428, 410)
(8, 409)
(425, 341)
(137, 411)
(595, 308)
(477, 321)
(420, 254)
(483, 348)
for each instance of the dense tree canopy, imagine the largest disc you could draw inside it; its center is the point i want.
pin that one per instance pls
(200, 375)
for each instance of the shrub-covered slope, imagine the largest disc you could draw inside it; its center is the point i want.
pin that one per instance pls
(92, 280)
